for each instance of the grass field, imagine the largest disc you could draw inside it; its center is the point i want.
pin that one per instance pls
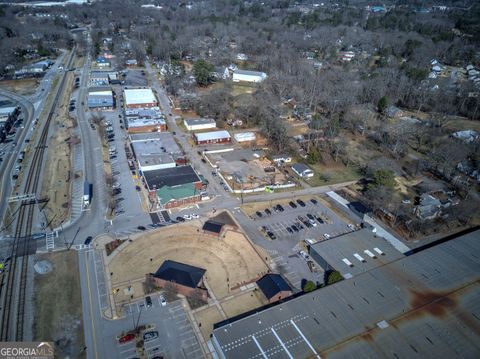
(58, 305)
(331, 174)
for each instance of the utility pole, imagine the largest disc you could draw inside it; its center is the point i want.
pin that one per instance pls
(73, 240)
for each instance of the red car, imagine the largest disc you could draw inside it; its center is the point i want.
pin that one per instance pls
(126, 338)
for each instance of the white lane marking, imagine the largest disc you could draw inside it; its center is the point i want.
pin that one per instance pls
(306, 341)
(281, 343)
(259, 347)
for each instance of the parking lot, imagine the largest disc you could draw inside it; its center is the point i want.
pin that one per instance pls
(124, 181)
(273, 229)
(308, 220)
(174, 333)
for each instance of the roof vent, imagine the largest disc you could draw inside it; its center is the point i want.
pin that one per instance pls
(347, 262)
(383, 324)
(359, 257)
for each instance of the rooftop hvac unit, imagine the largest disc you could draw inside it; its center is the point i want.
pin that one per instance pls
(378, 251)
(368, 253)
(359, 257)
(347, 262)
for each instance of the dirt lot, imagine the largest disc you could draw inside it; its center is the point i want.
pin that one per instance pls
(22, 86)
(243, 303)
(229, 261)
(206, 318)
(58, 306)
(58, 164)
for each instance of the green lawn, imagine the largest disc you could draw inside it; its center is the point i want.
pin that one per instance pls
(326, 175)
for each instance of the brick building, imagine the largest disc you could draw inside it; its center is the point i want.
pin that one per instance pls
(184, 277)
(274, 287)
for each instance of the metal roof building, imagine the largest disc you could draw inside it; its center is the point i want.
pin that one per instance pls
(426, 305)
(212, 137)
(195, 124)
(248, 76)
(100, 98)
(135, 98)
(155, 153)
(354, 253)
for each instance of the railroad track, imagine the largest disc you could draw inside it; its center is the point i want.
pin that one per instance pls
(15, 280)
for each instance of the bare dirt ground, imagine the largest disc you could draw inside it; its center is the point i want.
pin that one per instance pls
(243, 303)
(230, 262)
(58, 305)
(206, 318)
(21, 86)
(58, 175)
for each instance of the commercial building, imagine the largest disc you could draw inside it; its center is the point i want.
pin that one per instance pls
(140, 98)
(245, 136)
(145, 120)
(424, 305)
(203, 138)
(174, 187)
(7, 112)
(184, 277)
(155, 151)
(248, 76)
(302, 170)
(197, 124)
(354, 253)
(274, 287)
(100, 98)
(99, 78)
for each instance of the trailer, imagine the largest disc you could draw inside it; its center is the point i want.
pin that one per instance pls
(87, 194)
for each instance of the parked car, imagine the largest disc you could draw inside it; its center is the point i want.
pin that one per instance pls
(117, 191)
(163, 301)
(267, 211)
(312, 222)
(147, 336)
(138, 188)
(310, 216)
(326, 236)
(142, 228)
(309, 241)
(351, 226)
(294, 227)
(195, 216)
(292, 204)
(180, 219)
(126, 338)
(280, 208)
(271, 235)
(187, 217)
(259, 214)
(301, 203)
(313, 200)
(304, 255)
(289, 230)
(116, 185)
(148, 301)
(88, 240)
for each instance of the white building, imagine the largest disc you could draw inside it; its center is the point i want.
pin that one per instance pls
(282, 158)
(302, 170)
(196, 124)
(140, 98)
(245, 136)
(248, 76)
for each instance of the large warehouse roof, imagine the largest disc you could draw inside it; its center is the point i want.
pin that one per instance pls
(356, 252)
(139, 96)
(426, 305)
